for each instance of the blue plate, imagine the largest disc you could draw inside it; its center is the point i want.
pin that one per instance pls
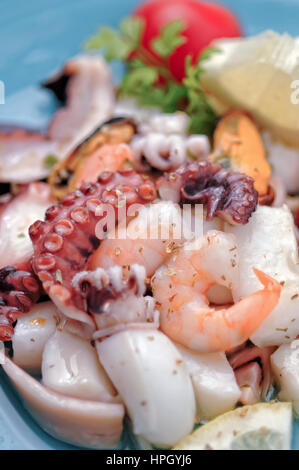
(37, 37)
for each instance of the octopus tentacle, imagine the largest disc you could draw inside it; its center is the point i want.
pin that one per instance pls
(227, 194)
(62, 244)
(19, 287)
(19, 290)
(116, 299)
(67, 237)
(101, 286)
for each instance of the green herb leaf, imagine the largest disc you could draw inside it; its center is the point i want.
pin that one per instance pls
(203, 118)
(142, 86)
(170, 38)
(113, 43)
(50, 161)
(21, 235)
(148, 78)
(140, 77)
(118, 44)
(132, 28)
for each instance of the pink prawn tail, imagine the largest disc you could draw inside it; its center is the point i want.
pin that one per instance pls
(269, 283)
(271, 292)
(256, 307)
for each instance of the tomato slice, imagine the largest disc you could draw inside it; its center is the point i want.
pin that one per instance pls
(204, 23)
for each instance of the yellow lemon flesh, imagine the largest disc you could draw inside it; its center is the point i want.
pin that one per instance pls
(264, 426)
(257, 74)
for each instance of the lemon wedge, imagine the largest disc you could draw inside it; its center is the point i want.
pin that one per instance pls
(264, 426)
(257, 74)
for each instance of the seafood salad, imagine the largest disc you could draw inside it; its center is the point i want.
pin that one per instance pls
(149, 275)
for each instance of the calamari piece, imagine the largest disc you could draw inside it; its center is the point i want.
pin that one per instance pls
(131, 312)
(15, 220)
(268, 243)
(85, 163)
(284, 161)
(89, 94)
(32, 331)
(23, 155)
(150, 375)
(130, 108)
(285, 365)
(168, 124)
(90, 424)
(215, 387)
(70, 366)
(279, 191)
(249, 378)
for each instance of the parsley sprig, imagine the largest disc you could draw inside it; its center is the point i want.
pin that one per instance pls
(148, 77)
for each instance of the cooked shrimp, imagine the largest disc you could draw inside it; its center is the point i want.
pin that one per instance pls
(180, 287)
(149, 238)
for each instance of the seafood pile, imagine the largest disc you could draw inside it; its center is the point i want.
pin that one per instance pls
(153, 274)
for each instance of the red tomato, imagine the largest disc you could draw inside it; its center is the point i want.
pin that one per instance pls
(204, 23)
